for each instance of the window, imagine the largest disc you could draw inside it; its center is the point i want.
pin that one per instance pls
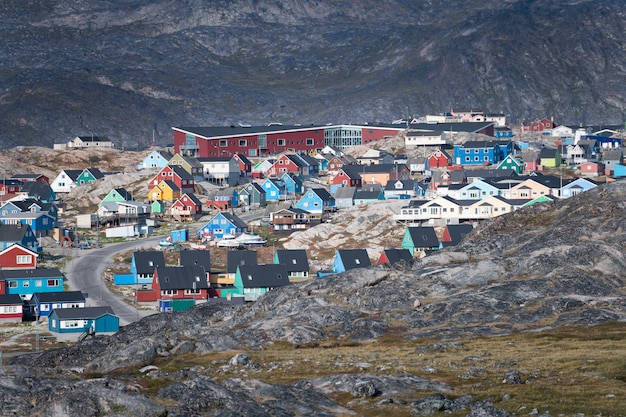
(252, 152)
(223, 143)
(309, 142)
(26, 284)
(11, 284)
(169, 292)
(192, 291)
(476, 158)
(38, 283)
(53, 283)
(243, 142)
(281, 142)
(24, 259)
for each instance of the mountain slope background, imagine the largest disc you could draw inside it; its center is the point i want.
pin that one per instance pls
(130, 70)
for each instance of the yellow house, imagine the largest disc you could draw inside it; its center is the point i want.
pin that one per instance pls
(528, 189)
(488, 208)
(165, 190)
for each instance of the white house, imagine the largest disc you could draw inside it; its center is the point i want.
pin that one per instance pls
(65, 181)
(222, 171)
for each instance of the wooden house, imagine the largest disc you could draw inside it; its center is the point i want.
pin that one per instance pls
(80, 320)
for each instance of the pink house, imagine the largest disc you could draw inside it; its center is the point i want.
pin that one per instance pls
(591, 169)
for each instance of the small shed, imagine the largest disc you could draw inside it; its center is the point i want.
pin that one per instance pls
(180, 235)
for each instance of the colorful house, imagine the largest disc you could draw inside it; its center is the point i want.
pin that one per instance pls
(252, 281)
(187, 205)
(420, 240)
(89, 175)
(347, 178)
(10, 188)
(511, 162)
(392, 256)
(166, 190)
(368, 196)
(454, 233)
(577, 186)
(274, 189)
(293, 185)
(177, 282)
(17, 256)
(223, 223)
(38, 190)
(20, 234)
(158, 158)
(201, 258)
(157, 207)
(316, 201)
(482, 152)
(245, 165)
(143, 263)
(86, 319)
(439, 159)
(347, 259)
(26, 282)
(45, 302)
(550, 157)
(295, 262)
(189, 164)
(252, 194)
(289, 220)
(117, 195)
(11, 308)
(176, 174)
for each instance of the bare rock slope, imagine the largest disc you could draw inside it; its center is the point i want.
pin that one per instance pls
(543, 266)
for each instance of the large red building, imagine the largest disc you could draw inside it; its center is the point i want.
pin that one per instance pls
(255, 141)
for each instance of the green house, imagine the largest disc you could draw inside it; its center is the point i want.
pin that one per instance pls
(252, 281)
(157, 207)
(513, 163)
(550, 157)
(89, 175)
(420, 240)
(116, 195)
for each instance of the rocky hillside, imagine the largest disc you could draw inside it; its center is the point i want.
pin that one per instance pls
(542, 267)
(130, 70)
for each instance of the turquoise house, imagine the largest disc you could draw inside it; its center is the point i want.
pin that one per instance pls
(86, 319)
(252, 281)
(89, 175)
(512, 162)
(420, 240)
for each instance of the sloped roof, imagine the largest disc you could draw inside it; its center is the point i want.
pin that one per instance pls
(423, 237)
(37, 189)
(195, 257)
(236, 221)
(238, 258)
(95, 172)
(458, 231)
(10, 299)
(354, 258)
(263, 276)
(322, 193)
(181, 277)
(397, 255)
(30, 273)
(146, 261)
(367, 195)
(407, 185)
(293, 260)
(192, 197)
(13, 232)
(345, 192)
(73, 173)
(181, 172)
(59, 296)
(82, 313)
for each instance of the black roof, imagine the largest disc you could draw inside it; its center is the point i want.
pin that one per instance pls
(13, 232)
(82, 313)
(58, 296)
(30, 273)
(182, 277)
(423, 237)
(37, 189)
(458, 231)
(146, 261)
(354, 258)
(10, 299)
(240, 258)
(195, 257)
(263, 276)
(293, 259)
(397, 255)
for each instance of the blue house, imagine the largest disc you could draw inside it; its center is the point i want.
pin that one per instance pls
(293, 184)
(229, 195)
(223, 223)
(274, 189)
(45, 302)
(577, 186)
(482, 152)
(20, 234)
(502, 132)
(368, 196)
(38, 190)
(347, 259)
(316, 201)
(155, 159)
(143, 263)
(41, 224)
(80, 320)
(619, 170)
(26, 282)
(476, 190)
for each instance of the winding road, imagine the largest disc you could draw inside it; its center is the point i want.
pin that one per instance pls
(85, 273)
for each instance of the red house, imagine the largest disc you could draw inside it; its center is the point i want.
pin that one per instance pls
(187, 205)
(180, 282)
(245, 165)
(392, 256)
(284, 164)
(177, 174)
(17, 256)
(439, 159)
(11, 308)
(539, 126)
(31, 177)
(10, 188)
(347, 178)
